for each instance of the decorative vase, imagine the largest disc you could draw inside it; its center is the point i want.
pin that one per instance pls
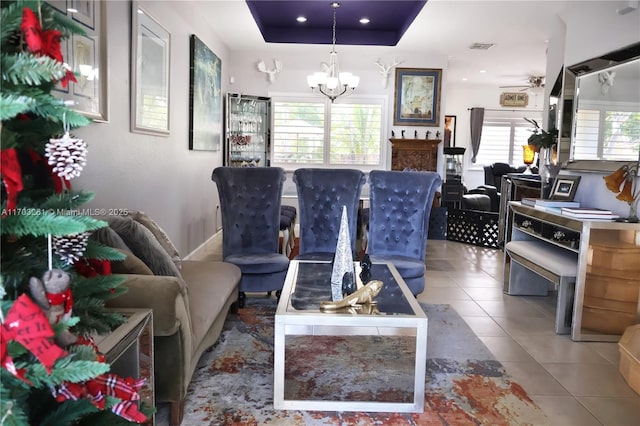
(544, 161)
(343, 259)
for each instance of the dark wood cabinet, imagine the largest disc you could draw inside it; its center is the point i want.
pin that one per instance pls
(420, 154)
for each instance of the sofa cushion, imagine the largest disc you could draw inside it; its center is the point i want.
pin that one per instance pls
(159, 234)
(144, 245)
(130, 265)
(210, 285)
(109, 238)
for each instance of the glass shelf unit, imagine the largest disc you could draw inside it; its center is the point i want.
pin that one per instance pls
(247, 131)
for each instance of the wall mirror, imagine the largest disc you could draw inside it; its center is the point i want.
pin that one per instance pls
(600, 124)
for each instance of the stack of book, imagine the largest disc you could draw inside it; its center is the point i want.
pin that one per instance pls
(549, 204)
(590, 213)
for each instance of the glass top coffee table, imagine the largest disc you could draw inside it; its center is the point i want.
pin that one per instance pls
(397, 313)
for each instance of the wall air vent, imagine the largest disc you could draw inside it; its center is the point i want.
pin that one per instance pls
(481, 46)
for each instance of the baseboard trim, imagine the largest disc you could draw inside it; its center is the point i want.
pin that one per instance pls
(194, 255)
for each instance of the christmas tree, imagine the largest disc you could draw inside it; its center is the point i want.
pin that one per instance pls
(55, 280)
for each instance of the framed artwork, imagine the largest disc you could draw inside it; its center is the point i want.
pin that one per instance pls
(150, 53)
(85, 12)
(205, 98)
(564, 187)
(417, 97)
(87, 57)
(449, 131)
(517, 99)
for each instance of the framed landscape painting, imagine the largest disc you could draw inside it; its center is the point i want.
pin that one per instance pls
(205, 98)
(417, 97)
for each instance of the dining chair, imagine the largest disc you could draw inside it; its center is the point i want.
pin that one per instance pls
(250, 205)
(400, 207)
(321, 195)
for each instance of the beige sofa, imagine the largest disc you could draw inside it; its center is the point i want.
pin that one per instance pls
(190, 300)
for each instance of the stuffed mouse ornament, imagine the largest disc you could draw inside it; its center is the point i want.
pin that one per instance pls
(53, 295)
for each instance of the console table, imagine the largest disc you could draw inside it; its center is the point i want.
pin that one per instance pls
(607, 283)
(129, 350)
(420, 154)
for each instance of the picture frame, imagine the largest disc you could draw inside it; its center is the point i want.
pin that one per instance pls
(205, 97)
(417, 97)
(514, 99)
(449, 131)
(86, 56)
(564, 187)
(150, 74)
(85, 12)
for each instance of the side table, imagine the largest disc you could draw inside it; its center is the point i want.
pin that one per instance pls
(129, 350)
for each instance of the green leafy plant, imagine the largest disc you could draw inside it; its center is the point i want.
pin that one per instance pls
(540, 137)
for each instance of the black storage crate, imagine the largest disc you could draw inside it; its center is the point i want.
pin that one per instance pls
(475, 227)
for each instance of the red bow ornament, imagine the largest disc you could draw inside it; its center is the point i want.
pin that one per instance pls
(11, 177)
(27, 324)
(43, 42)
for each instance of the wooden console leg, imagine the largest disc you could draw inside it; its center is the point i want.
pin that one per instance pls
(242, 297)
(177, 411)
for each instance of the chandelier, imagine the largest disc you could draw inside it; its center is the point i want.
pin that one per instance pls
(331, 82)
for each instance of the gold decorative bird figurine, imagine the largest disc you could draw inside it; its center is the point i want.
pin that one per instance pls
(362, 296)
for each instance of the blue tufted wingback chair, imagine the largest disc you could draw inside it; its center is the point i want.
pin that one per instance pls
(250, 204)
(321, 195)
(400, 207)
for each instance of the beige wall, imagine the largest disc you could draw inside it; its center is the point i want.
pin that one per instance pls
(158, 175)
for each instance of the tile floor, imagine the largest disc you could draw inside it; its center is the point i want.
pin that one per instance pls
(575, 383)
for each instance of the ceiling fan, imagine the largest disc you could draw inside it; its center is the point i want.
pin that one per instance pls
(533, 82)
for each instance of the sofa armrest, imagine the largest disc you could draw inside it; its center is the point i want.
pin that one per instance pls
(162, 294)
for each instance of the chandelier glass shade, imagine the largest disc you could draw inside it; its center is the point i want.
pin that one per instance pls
(331, 82)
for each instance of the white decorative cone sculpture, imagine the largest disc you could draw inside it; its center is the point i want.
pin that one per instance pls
(343, 259)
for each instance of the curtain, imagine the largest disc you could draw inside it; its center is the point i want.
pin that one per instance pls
(477, 118)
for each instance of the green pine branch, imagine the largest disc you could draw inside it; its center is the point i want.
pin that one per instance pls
(26, 68)
(33, 133)
(94, 318)
(41, 223)
(65, 370)
(12, 414)
(69, 413)
(99, 285)
(11, 19)
(95, 250)
(12, 105)
(72, 201)
(47, 106)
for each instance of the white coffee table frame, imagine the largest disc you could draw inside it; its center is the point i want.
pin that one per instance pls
(289, 321)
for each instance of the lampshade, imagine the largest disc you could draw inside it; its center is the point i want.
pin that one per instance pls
(615, 179)
(528, 154)
(626, 194)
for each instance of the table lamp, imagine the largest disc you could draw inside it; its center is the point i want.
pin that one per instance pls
(622, 182)
(528, 155)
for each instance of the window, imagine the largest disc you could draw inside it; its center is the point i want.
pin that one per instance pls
(503, 133)
(616, 126)
(317, 133)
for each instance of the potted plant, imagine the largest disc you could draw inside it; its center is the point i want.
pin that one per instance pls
(541, 138)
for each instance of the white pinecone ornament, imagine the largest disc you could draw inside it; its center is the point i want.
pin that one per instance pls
(70, 248)
(67, 155)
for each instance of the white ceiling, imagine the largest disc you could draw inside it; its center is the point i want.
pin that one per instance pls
(519, 29)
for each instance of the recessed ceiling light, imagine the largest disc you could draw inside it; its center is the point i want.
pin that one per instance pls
(483, 71)
(464, 78)
(301, 19)
(364, 20)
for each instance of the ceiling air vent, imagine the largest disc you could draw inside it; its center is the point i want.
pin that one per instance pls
(481, 46)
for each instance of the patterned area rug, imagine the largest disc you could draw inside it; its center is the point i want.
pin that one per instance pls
(233, 384)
